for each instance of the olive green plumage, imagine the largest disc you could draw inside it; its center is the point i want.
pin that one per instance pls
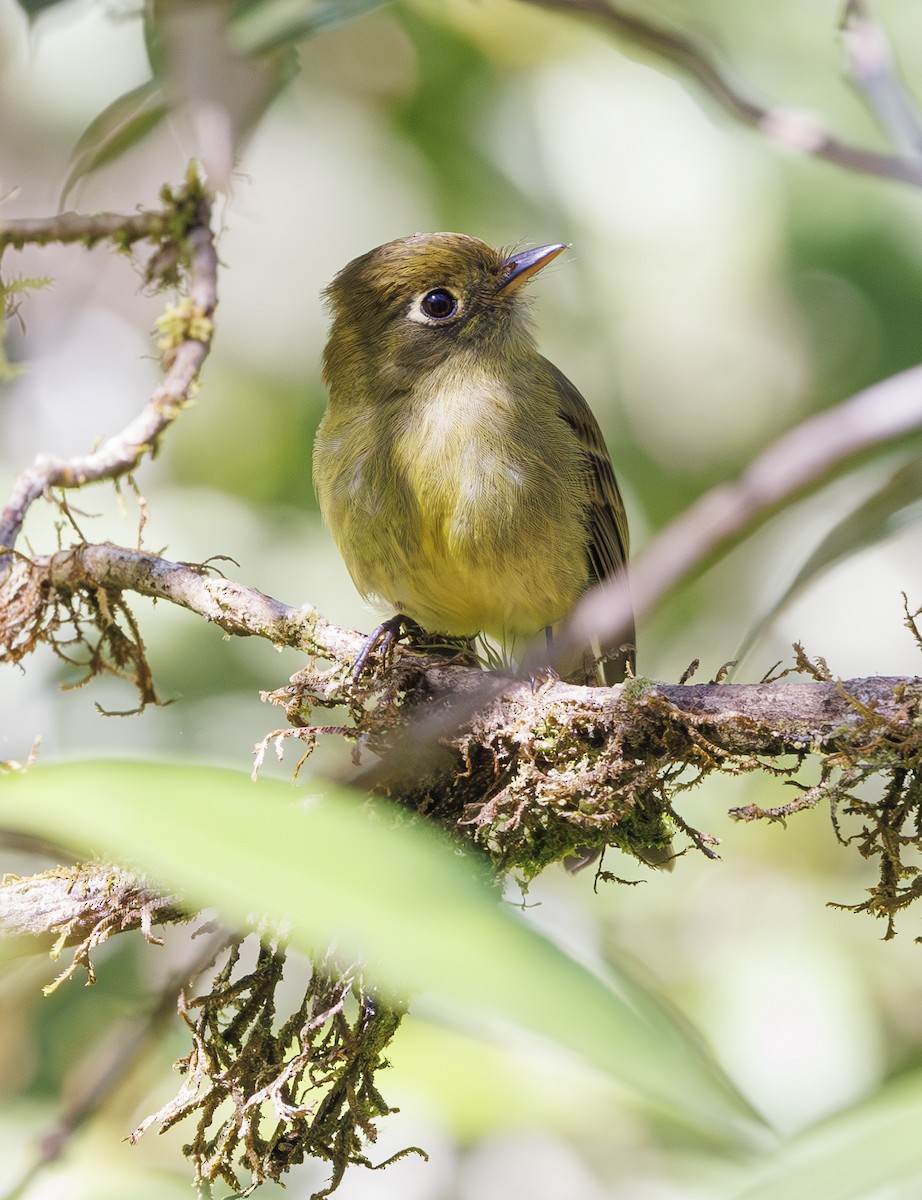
(464, 478)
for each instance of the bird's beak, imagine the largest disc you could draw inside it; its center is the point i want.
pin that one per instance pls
(522, 266)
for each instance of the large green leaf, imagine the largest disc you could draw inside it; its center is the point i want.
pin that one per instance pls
(402, 899)
(872, 1146)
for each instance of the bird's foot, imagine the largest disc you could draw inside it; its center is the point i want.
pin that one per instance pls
(540, 677)
(383, 638)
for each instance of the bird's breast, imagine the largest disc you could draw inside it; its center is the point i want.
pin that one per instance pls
(466, 510)
(463, 461)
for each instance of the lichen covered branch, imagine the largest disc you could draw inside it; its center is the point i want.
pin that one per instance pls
(537, 775)
(79, 908)
(265, 1091)
(533, 773)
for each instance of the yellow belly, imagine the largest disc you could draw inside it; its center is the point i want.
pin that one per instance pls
(460, 515)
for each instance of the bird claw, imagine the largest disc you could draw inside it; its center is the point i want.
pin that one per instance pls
(383, 637)
(542, 677)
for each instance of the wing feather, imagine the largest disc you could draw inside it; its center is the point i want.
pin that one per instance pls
(608, 539)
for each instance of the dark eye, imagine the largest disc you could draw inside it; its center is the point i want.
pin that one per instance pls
(439, 304)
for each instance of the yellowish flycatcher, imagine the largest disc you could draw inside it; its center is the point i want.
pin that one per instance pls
(464, 478)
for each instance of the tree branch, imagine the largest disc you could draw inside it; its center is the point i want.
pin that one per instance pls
(873, 70)
(86, 228)
(796, 462)
(774, 717)
(793, 129)
(582, 762)
(81, 907)
(184, 228)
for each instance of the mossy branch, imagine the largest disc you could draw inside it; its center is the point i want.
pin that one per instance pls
(80, 907)
(533, 774)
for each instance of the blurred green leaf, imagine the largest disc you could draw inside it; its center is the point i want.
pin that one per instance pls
(117, 128)
(218, 57)
(151, 24)
(9, 290)
(33, 7)
(869, 1147)
(405, 900)
(877, 518)
(261, 25)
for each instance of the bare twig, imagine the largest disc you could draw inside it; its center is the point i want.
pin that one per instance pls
(873, 70)
(796, 462)
(186, 347)
(795, 130)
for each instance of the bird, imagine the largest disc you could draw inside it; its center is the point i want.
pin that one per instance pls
(464, 479)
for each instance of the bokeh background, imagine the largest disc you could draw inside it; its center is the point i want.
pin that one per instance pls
(718, 290)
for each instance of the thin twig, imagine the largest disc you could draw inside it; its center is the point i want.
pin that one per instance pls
(87, 228)
(239, 610)
(873, 70)
(796, 130)
(121, 453)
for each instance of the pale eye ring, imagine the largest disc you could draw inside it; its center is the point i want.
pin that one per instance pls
(439, 304)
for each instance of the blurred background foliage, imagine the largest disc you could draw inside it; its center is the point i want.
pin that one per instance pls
(718, 291)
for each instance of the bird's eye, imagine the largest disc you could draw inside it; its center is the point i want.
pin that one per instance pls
(438, 304)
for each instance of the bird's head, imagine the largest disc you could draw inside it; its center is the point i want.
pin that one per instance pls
(406, 307)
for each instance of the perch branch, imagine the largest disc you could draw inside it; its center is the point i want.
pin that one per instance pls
(793, 129)
(774, 717)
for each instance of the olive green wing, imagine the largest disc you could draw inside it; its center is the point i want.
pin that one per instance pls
(608, 531)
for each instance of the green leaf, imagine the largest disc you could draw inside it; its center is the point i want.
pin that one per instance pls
(225, 90)
(33, 7)
(877, 518)
(403, 899)
(8, 308)
(871, 1146)
(117, 128)
(261, 25)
